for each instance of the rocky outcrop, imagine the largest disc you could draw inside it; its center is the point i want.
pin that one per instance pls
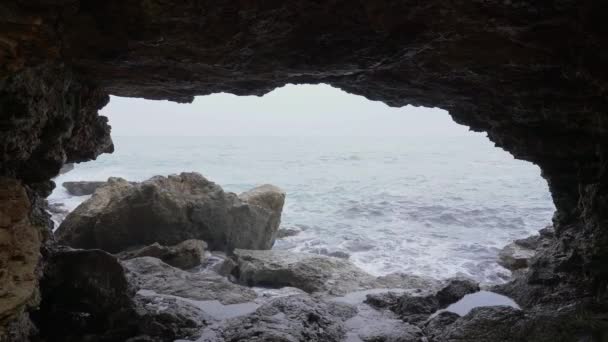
(154, 275)
(81, 188)
(169, 210)
(530, 74)
(184, 255)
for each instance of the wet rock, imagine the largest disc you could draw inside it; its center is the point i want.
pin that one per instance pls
(185, 255)
(153, 274)
(437, 324)
(309, 272)
(514, 257)
(169, 210)
(404, 332)
(82, 188)
(291, 318)
(483, 324)
(335, 254)
(166, 319)
(416, 308)
(287, 232)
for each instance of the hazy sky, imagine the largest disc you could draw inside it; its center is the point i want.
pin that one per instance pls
(294, 110)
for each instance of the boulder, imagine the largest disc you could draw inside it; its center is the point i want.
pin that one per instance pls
(185, 255)
(308, 272)
(82, 188)
(514, 256)
(169, 210)
(87, 296)
(154, 275)
(290, 318)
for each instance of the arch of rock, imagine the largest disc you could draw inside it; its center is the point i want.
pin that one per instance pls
(532, 74)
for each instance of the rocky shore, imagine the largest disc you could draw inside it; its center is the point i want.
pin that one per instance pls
(178, 258)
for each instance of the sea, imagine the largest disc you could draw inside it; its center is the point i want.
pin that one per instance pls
(434, 206)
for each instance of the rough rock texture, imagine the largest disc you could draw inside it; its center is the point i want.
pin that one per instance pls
(291, 318)
(154, 275)
(169, 210)
(484, 324)
(184, 255)
(532, 74)
(416, 308)
(20, 242)
(87, 295)
(308, 272)
(81, 188)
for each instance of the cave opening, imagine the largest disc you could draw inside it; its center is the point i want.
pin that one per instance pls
(389, 189)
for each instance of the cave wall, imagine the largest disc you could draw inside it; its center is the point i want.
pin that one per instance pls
(532, 74)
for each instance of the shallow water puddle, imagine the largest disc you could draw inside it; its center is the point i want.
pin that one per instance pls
(213, 308)
(478, 299)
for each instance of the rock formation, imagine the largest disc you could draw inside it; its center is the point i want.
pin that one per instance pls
(81, 188)
(531, 74)
(185, 255)
(168, 210)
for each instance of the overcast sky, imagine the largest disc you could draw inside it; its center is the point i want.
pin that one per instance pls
(294, 110)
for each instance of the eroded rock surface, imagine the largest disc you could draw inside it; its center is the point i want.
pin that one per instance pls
(291, 318)
(20, 243)
(309, 272)
(418, 307)
(169, 210)
(184, 255)
(153, 274)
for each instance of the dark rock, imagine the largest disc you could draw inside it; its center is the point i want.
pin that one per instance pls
(81, 188)
(169, 210)
(167, 319)
(287, 232)
(437, 324)
(455, 289)
(416, 308)
(153, 274)
(88, 296)
(291, 318)
(484, 324)
(185, 255)
(396, 333)
(84, 292)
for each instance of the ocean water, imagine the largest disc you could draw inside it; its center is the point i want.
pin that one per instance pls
(424, 205)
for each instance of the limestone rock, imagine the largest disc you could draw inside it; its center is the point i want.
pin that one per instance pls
(153, 274)
(20, 243)
(81, 188)
(169, 210)
(184, 255)
(514, 257)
